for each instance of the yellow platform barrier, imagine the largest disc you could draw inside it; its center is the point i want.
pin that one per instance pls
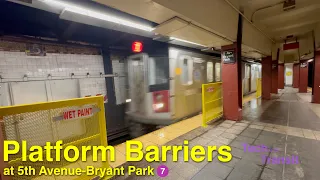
(78, 122)
(259, 88)
(212, 107)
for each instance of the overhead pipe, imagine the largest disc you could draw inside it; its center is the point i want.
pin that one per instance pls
(25, 78)
(236, 9)
(266, 7)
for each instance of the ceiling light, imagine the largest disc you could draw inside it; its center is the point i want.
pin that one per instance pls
(97, 15)
(310, 60)
(177, 39)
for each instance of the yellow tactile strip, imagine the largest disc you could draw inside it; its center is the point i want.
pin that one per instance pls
(160, 137)
(249, 98)
(292, 131)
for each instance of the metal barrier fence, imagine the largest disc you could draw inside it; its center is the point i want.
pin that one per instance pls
(212, 107)
(78, 122)
(259, 88)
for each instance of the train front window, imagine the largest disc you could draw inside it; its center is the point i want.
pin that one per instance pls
(158, 71)
(187, 70)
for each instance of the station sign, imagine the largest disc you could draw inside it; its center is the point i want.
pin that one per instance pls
(228, 57)
(78, 113)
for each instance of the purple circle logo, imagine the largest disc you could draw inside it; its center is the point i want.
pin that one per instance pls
(162, 171)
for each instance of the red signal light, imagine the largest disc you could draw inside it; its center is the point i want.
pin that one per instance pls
(137, 46)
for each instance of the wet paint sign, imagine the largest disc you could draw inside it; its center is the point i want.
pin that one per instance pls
(77, 113)
(210, 89)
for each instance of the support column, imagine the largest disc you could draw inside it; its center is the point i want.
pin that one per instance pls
(274, 80)
(231, 77)
(232, 86)
(109, 81)
(296, 75)
(281, 76)
(316, 78)
(266, 77)
(303, 80)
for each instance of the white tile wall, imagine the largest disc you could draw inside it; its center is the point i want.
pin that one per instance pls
(120, 82)
(14, 65)
(92, 86)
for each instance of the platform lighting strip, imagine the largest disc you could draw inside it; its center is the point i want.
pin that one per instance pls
(177, 39)
(104, 17)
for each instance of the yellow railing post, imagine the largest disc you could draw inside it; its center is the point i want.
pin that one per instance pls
(204, 124)
(259, 88)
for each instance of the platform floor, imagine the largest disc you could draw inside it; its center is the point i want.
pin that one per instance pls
(288, 122)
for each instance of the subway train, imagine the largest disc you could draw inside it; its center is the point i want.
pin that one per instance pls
(164, 90)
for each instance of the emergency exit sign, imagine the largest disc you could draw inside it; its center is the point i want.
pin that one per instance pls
(77, 113)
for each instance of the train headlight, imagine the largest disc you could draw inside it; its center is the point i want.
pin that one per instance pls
(160, 103)
(158, 106)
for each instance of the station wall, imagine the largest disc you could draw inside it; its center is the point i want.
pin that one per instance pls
(120, 82)
(18, 71)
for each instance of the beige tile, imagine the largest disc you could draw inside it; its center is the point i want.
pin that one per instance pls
(269, 125)
(256, 126)
(241, 124)
(295, 132)
(220, 128)
(266, 128)
(259, 123)
(229, 121)
(236, 126)
(245, 121)
(294, 129)
(317, 134)
(225, 125)
(308, 134)
(282, 131)
(233, 131)
(281, 127)
(223, 140)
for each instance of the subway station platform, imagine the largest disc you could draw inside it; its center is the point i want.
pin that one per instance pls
(288, 123)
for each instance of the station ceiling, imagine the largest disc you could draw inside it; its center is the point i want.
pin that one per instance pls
(267, 25)
(271, 18)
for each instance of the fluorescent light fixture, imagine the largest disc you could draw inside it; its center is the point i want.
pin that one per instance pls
(128, 100)
(177, 39)
(310, 60)
(97, 15)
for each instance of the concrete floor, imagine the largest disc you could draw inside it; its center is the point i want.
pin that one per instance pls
(287, 123)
